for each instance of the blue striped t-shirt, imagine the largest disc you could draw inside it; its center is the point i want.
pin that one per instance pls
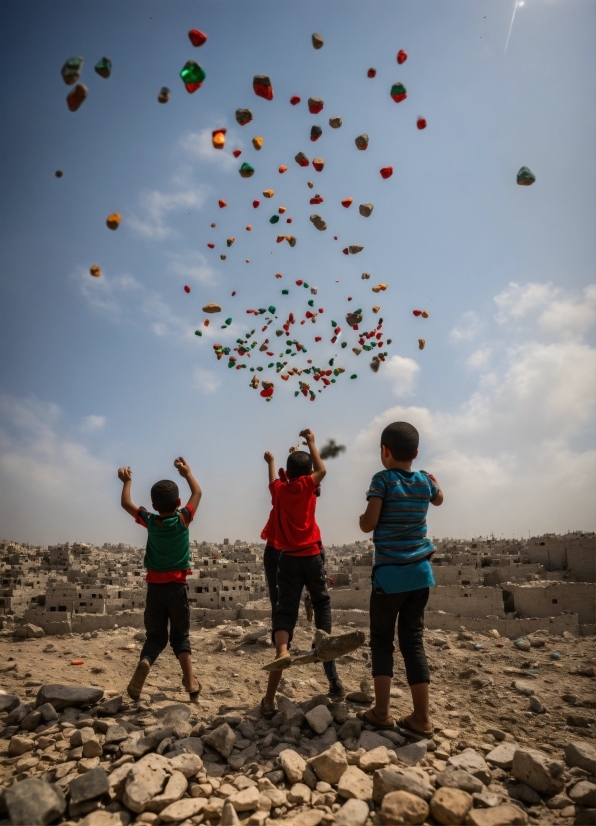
(400, 535)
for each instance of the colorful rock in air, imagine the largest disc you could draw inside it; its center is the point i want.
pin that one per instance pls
(192, 76)
(103, 67)
(361, 141)
(347, 202)
(221, 203)
(237, 152)
(315, 105)
(257, 143)
(71, 71)
(317, 200)
(274, 219)
(113, 220)
(294, 100)
(354, 248)
(421, 123)
(310, 184)
(425, 313)
(335, 122)
(365, 276)
(243, 116)
(246, 170)
(525, 176)
(366, 210)
(376, 309)
(268, 193)
(317, 41)
(301, 159)
(196, 37)
(379, 288)
(421, 343)
(281, 210)
(355, 318)
(164, 94)
(256, 204)
(291, 240)
(94, 270)
(77, 97)
(416, 312)
(186, 288)
(402, 56)
(218, 138)
(262, 87)
(375, 364)
(230, 241)
(319, 164)
(248, 228)
(318, 222)
(212, 308)
(211, 246)
(58, 173)
(371, 73)
(315, 133)
(398, 92)
(386, 172)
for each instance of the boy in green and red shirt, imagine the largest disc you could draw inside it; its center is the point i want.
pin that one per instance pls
(167, 559)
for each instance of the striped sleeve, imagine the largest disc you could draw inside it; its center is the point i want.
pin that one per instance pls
(142, 517)
(187, 515)
(378, 487)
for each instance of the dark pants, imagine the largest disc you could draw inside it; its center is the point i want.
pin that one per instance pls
(168, 602)
(308, 576)
(408, 610)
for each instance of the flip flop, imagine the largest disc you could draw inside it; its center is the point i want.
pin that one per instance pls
(279, 664)
(376, 722)
(268, 711)
(194, 695)
(137, 682)
(403, 723)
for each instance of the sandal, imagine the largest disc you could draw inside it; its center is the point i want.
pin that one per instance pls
(268, 710)
(137, 681)
(194, 695)
(403, 723)
(371, 717)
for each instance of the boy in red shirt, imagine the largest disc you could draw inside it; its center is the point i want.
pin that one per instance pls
(292, 529)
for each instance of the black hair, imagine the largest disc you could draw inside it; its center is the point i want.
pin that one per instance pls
(164, 496)
(299, 464)
(402, 439)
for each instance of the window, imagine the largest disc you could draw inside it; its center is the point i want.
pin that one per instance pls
(555, 601)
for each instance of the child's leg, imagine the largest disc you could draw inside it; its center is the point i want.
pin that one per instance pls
(179, 613)
(314, 576)
(289, 590)
(410, 633)
(156, 623)
(383, 616)
(270, 563)
(281, 649)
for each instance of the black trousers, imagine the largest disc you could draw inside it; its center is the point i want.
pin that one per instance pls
(407, 610)
(294, 574)
(165, 604)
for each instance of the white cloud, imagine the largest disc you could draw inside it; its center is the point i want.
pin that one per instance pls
(198, 145)
(517, 301)
(570, 317)
(480, 357)
(104, 293)
(207, 381)
(92, 423)
(155, 207)
(468, 328)
(401, 373)
(192, 266)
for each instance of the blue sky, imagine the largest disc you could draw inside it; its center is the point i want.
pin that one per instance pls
(103, 372)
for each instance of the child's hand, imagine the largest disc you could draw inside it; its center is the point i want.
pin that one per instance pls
(269, 457)
(182, 466)
(434, 479)
(307, 435)
(125, 474)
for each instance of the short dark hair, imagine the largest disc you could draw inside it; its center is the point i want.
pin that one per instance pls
(402, 440)
(299, 464)
(164, 495)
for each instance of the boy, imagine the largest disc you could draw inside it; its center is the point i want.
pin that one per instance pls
(398, 500)
(167, 559)
(294, 531)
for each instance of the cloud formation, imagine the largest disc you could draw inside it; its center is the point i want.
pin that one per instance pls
(199, 146)
(155, 208)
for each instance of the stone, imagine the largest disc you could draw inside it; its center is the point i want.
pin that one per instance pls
(103, 818)
(319, 719)
(311, 817)
(111, 706)
(578, 720)
(31, 721)
(370, 740)
(355, 783)
(412, 753)
(8, 702)
(350, 730)
(310, 779)
(502, 755)
(48, 712)
(293, 765)
(246, 800)
(558, 801)
(485, 800)
(454, 778)
(450, 806)
(117, 779)
(525, 794)
(585, 817)
(80, 736)
(414, 781)
(176, 717)
(538, 770)
(33, 801)
(221, 739)
(228, 815)
(505, 815)
(299, 794)
(92, 748)
(317, 700)
(189, 764)
(65, 696)
(176, 785)
(582, 754)
(19, 744)
(145, 781)
(403, 807)
(330, 764)
(192, 745)
(115, 734)
(88, 786)
(183, 810)
(523, 688)
(472, 762)
(18, 714)
(584, 793)
(353, 813)
(375, 759)
(536, 706)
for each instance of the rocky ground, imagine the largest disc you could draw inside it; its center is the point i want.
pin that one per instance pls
(513, 740)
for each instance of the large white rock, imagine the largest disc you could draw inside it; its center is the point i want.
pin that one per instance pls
(538, 771)
(146, 780)
(331, 764)
(293, 765)
(355, 783)
(319, 719)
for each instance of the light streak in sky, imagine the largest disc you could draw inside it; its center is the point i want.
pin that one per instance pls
(517, 3)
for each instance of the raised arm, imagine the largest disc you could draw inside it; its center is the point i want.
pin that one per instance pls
(184, 470)
(270, 459)
(125, 476)
(370, 517)
(318, 465)
(438, 500)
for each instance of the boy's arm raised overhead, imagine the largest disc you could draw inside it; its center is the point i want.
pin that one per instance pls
(184, 470)
(270, 459)
(437, 499)
(125, 476)
(318, 465)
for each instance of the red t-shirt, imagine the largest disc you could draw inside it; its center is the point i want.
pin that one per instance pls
(292, 526)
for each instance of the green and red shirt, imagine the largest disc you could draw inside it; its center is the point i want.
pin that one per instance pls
(167, 555)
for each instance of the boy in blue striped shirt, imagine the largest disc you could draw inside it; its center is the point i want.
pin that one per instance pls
(398, 499)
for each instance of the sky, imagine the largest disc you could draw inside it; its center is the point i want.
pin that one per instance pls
(103, 372)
